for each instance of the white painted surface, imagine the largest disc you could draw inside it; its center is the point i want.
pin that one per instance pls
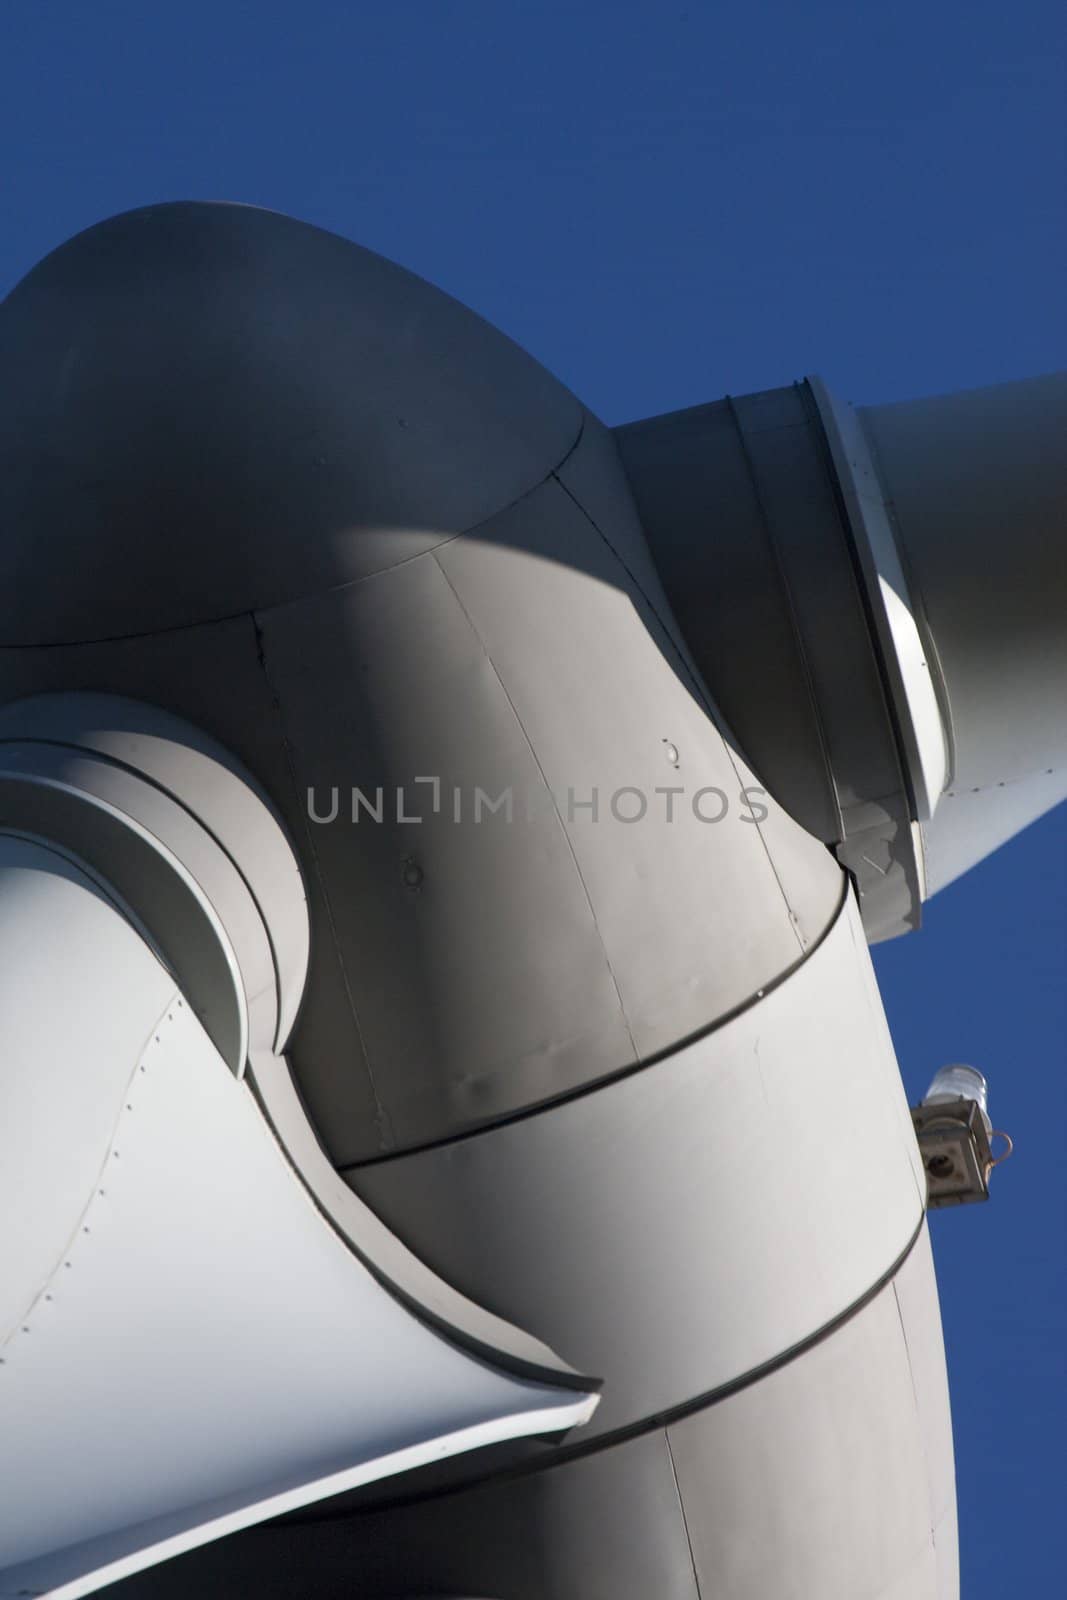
(915, 1288)
(206, 779)
(65, 1057)
(212, 1353)
(832, 1478)
(725, 1203)
(971, 824)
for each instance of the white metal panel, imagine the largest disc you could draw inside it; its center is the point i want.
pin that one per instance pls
(584, 638)
(61, 1085)
(822, 1480)
(972, 823)
(686, 1224)
(812, 1484)
(163, 866)
(915, 1288)
(205, 778)
(213, 1353)
(183, 669)
(947, 1552)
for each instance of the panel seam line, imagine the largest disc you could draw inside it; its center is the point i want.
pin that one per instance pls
(681, 1508)
(548, 788)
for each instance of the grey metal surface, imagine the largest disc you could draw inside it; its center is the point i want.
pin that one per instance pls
(832, 1477)
(496, 964)
(157, 859)
(291, 417)
(209, 408)
(694, 490)
(155, 854)
(594, 476)
(187, 1346)
(462, 1321)
(915, 1290)
(626, 1084)
(201, 775)
(48, 904)
(915, 690)
(682, 1226)
(744, 514)
(977, 483)
(972, 823)
(606, 1528)
(212, 677)
(441, 972)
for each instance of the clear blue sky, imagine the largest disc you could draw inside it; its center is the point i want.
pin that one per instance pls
(665, 203)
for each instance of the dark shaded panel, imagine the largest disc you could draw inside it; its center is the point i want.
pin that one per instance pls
(206, 408)
(978, 487)
(471, 953)
(745, 519)
(698, 501)
(605, 1528)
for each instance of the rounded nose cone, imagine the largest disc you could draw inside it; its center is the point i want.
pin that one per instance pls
(209, 408)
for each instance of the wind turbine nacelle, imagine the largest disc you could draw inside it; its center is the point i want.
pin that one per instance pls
(600, 757)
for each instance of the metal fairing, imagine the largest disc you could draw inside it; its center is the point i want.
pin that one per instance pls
(414, 1100)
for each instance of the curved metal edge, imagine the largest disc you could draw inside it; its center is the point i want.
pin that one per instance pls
(565, 1453)
(583, 1090)
(904, 658)
(96, 879)
(224, 799)
(83, 1569)
(469, 1326)
(136, 865)
(496, 364)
